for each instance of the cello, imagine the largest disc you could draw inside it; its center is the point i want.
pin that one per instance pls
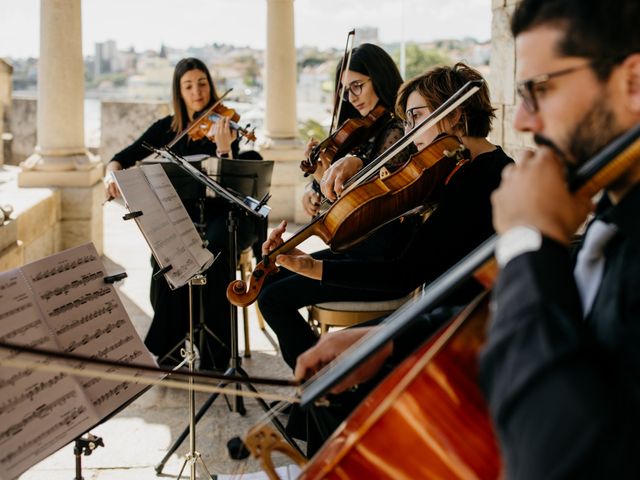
(430, 408)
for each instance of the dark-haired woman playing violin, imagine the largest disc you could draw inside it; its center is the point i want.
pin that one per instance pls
(460, 221)
(193, 91)
(372, 79)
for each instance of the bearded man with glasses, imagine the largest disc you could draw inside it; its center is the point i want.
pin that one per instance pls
(561, 369)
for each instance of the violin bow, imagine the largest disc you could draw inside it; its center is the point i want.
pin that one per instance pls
(453, 102)
(594, 175)
(197, 121)
(337, 103)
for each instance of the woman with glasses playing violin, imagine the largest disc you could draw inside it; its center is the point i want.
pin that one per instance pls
(193, 91)
(458, 223)
(372, 79)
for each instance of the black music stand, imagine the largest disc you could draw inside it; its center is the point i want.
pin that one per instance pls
(250, 178)
(244, 172)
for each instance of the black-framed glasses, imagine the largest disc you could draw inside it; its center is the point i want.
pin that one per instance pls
(353, 87)
(527, 88)
(410, 117)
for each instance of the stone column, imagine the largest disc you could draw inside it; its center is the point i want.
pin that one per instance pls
(282, 143)
(6, 73)
(502, 81)
(61, 158)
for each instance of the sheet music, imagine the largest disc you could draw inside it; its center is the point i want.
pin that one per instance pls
(59, 303)
(177, 214)
(175, 244)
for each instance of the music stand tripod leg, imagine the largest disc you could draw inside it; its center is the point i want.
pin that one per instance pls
(235, 368)
(193, 456)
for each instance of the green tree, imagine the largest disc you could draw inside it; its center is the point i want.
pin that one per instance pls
(420, 59)
(311, 128)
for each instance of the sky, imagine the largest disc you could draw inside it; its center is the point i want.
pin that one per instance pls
(146, 24)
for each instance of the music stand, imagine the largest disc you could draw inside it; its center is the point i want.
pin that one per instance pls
(241, 171)
(190, 191)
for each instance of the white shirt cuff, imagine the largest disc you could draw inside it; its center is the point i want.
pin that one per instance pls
(515, 242)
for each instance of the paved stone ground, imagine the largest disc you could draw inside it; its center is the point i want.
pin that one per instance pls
(138, 438)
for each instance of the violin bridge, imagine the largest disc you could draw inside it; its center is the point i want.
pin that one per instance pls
(384, 173)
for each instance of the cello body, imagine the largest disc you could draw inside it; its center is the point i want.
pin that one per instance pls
(426, 420)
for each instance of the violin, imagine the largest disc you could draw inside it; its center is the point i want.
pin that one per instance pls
(351, 133)
(367, 204)
(206, 121)
(362, 209)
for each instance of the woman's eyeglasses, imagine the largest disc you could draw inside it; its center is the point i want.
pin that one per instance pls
(353, 87)
(411, 116)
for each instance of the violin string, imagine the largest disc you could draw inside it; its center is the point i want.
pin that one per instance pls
(272, 412)
(138, 380)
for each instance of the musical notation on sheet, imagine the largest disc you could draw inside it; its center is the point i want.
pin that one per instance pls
(59, 303)
(165, 224)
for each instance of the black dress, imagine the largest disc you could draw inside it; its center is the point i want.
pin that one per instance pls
(286, 292)
(170, 319)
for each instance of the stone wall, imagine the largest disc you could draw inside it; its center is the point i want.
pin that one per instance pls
(34, 230)
(6, 74)
(23, 123)
(123, 122)
(502, 80)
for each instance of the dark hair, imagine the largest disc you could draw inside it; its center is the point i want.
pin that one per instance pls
(439, 83)
(372, 61)
(180, 117)
(606, 32)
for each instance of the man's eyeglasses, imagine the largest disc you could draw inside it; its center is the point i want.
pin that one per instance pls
(353, 87)
(410, 117)
(527, 89)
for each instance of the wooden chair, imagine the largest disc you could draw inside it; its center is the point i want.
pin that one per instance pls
(245, 266)
(322, 316)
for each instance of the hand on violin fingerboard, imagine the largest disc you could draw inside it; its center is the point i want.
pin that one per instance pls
(223, 134)
(311, 202)
(295, 260)
(330, 347)
(274, 240)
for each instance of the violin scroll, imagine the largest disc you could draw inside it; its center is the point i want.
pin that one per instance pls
(351, 133)
(242, 295)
